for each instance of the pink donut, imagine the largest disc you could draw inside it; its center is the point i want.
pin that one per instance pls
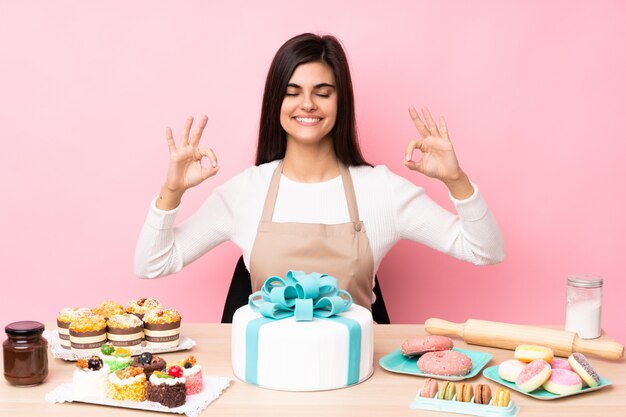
(558, 363)
(533, 375)
(562, 381)
(421, 344)
(445, 362)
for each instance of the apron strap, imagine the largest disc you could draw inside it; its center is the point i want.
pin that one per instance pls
(272, 194)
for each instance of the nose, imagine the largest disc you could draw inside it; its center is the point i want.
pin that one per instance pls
(307, 103)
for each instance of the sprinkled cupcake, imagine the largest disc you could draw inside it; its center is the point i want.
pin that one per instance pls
(193, 375)
(125, 330)
(65, 318)
(108, 309)
(142, 306)
(115, 358)
(90, 378)
(87, 334)
(168, 388)
(162, 327)
(127, 385)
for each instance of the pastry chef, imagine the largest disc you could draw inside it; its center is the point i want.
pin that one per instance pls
(312, 202)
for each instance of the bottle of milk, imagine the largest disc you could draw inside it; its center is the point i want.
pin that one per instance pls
(584, 305)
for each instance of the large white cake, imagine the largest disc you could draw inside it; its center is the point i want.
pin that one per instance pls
(292, 355)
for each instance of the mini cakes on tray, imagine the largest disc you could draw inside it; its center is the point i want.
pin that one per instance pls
(125, 330)
(193, 374)
(162, 328)
(141, 306)
(149, 363)
(64, 319)
(115, 358)
(87, 334)
(90, 378)
(127, 384)
(168, 388)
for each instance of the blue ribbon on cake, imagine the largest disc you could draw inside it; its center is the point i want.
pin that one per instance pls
(303, 297)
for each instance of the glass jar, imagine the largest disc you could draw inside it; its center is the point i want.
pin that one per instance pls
(25, 354)
(584, 305)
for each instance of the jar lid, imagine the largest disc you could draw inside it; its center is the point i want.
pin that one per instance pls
(585, 281)
(24, 328)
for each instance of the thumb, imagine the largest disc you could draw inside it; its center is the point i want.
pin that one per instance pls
(415, 166)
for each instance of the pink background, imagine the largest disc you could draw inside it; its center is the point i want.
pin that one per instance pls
(533, 93)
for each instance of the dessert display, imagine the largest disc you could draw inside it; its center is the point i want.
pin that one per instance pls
(445, 362)
(108, 309)
(162, 327)
(193, 374)
(90, 378)
(65, 318)
(419, 345)
(115, 358)
(168, 388)
(141, 306)
(128, 384)
(149, 363)
(125, 330)
(87, 334)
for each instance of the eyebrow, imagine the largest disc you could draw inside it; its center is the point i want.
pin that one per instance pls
(316, 86)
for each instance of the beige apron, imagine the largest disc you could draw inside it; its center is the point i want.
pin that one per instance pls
(341, 250)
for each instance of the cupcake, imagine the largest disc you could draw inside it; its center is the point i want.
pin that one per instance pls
(125, 330)
(149, 363)
(192, 371)
(127, 385)
(168, 388)
(90, 378)
(64, 319)
(88, 334)
(115, 358)
(162, 327)
(142, 306)
(108, 309)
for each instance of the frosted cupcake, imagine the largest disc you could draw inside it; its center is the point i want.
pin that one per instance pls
(193, 375)
(115, 358)
(127, 385)
(64, 319)
(125, 330)
(87, 334)
(108, 309)
(168, 388)
(142, 306)
(90, 378)
(162, 328)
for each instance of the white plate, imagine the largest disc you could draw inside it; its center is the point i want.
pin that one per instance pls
(60, 352)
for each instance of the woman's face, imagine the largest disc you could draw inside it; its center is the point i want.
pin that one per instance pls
(309, 109)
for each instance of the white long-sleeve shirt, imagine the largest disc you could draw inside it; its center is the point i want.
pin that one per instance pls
(391, 208)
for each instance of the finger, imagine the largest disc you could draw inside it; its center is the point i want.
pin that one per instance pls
(414, 166)
(430, 122)
(208, 152)
(208, 172)
(185, 139)
(195, 139)
(443, 128)
(414, 144)
(421, 127)
(170, 140)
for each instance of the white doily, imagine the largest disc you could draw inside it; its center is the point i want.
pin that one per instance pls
(195, 404)
(60, 352)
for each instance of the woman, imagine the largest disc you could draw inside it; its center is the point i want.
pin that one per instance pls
(312, 202)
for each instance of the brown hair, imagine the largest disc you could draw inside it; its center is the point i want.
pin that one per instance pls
(299, 50)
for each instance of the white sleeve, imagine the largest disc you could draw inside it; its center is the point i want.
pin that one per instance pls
(163, 249)
(471, 235)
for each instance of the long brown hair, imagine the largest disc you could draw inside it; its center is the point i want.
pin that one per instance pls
(299, 50)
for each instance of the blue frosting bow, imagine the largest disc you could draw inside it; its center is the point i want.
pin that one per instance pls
(300, 295)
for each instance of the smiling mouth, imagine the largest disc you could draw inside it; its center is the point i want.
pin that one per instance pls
(308, 121)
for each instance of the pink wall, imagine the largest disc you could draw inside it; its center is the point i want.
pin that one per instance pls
(533, 92)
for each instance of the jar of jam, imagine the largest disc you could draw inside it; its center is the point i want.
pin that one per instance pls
(25, 354)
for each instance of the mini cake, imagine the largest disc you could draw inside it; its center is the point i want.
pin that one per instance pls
(127, 385)
(87, 334)
(140, 307)
(162, 327)
(64, 319)
(108, 309)
(115, 358)
(149, 363)
(125, 330)
(168, 388)
(90, 378)
(193, 375)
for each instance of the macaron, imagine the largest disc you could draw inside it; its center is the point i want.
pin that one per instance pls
(429, 389)
(583, 368)
(528, 353)
(483, 394)
(510, 370)
(562, 381)
(534, 375)
(447, 391)
(445, 362)
(559, 363)
(419, 345)
(501, 397)
(464, 392)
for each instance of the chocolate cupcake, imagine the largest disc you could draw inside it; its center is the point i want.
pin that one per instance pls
(162, 328)
(168, 388)
(140, 307)
(108, 309)
(64, 319)
(125, 330)
(87, 334)
(149, 362)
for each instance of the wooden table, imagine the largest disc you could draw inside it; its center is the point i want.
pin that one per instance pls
(384, 394)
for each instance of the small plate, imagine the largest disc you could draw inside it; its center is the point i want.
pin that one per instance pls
(397, 362)
(539, 393)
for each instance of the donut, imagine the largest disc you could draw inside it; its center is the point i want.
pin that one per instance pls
(558, 363)
(445, 362)
(510, 370)
(533, 375)
(465, 392)
(562, 381)
(483, 394)
(447, 391)
(528, 353)
(416, 346)
(429, 389)
(583, 368)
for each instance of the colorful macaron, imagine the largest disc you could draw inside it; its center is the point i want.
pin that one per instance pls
(482, 394)
(501, 397)
(429, 389)
(447, 391)
(464, 392)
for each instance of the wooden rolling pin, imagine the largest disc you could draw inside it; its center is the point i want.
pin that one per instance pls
(509, 336)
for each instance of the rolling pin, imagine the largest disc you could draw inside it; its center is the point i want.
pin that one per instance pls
(509, 336)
